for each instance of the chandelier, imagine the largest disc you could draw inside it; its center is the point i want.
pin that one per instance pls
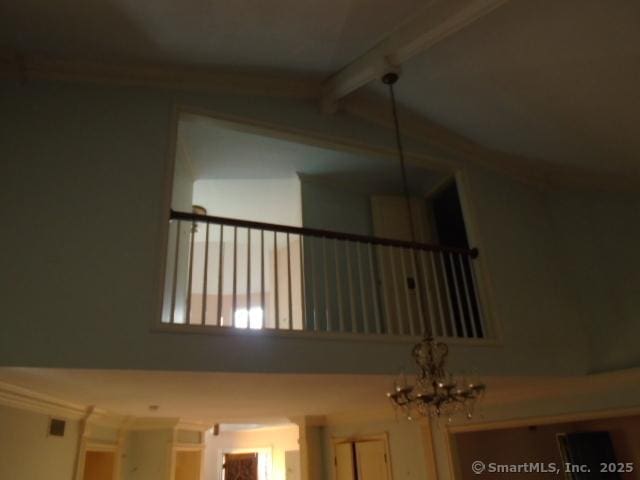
(435, 391)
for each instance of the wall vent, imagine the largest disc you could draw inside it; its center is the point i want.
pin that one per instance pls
(56, 427)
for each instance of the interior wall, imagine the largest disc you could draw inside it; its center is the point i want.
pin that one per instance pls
(527, 298)
(538, 444)
(278, 439)
(27, 452)
(270, 200)
(146, 454)
(597, 235)
(89, 197)
(405, 446)
(328, 207)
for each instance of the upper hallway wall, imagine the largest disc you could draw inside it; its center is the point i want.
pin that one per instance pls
(597, 237)
(331, 208)
(85, 198)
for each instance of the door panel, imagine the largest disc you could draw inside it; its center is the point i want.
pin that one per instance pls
(188, 465)
(344, 461)
(99, 465)
(371, 460)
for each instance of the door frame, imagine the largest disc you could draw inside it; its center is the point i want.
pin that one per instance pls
(384, 437)
(93, 446)
(185, 447)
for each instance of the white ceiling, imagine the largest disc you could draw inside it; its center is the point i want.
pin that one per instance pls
(309, 35)
(217, 152)
(546, 80)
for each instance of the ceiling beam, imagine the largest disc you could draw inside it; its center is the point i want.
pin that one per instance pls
(432, 24)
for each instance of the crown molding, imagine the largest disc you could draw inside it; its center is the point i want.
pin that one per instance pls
(25, 399)
(39, 67)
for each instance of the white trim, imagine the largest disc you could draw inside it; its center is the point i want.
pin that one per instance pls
(37, 67)
(427, 26)
(317, 138)
(25, 399)
(317, 336)
(486, 299)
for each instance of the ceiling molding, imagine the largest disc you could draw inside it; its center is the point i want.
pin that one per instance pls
(319, 139)
(37, 67)
(433, 23)
(25, 399)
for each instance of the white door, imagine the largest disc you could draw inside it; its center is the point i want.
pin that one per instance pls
(344, 461)
(371, 458)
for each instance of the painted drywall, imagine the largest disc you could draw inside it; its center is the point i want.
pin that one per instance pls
(527, 299)
(597, 236)
(329, 207)
(146, 454)
(85, 193)
(270, 200)
(28, 452)
(178, 239)
(277, 440)
(340, 295)
(405, 446)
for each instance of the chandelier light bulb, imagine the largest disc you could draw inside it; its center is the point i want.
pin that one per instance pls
(435, 391)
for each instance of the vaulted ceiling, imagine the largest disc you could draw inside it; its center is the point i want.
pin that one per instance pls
(548, 82)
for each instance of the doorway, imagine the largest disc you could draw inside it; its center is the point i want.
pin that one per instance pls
(241, 466)
(188, 464)
(99, 465)
(362, 459)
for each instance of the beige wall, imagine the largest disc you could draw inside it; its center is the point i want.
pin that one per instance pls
(28, 453)
(278, 439)
(146, 454)
(405, 446)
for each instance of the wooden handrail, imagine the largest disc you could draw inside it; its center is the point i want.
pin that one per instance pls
(315, 232)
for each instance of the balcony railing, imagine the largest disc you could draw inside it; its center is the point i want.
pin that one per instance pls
(236, 274)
